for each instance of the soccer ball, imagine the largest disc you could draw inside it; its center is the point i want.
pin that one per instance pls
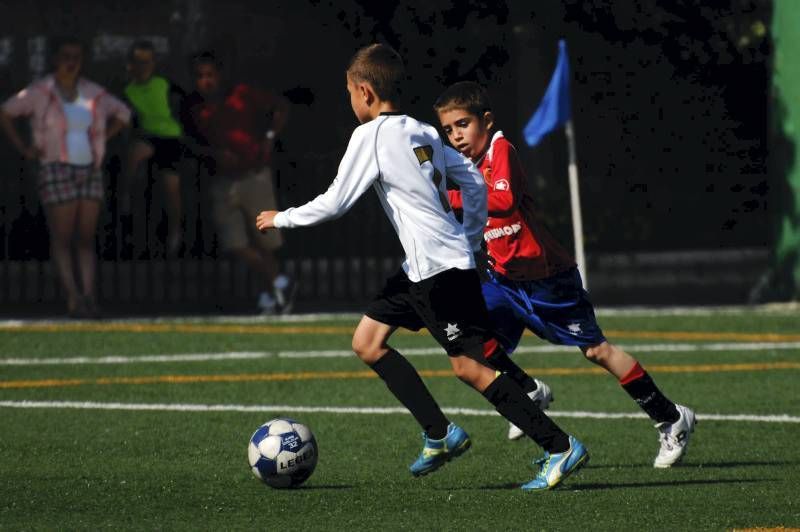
(282, 453)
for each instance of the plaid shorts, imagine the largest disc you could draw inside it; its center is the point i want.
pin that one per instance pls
(60, 182)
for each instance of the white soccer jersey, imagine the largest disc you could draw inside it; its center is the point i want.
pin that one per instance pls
(405, 161)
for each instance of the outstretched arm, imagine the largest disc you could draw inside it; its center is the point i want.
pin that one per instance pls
(357, 171)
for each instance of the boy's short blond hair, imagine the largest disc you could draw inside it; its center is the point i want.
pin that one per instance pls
(380, 66)
(465, 95)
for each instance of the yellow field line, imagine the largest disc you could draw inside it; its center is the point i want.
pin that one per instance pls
(367, 374)
(178, 328)
(347, 330)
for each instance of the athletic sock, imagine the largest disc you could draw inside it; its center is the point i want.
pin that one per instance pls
(503, 363)
(512, 403)
(643, 390)
(405, 383)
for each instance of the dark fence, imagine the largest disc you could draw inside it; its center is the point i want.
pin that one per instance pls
(337, 265)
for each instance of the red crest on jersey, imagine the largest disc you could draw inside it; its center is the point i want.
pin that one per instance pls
(501, 184)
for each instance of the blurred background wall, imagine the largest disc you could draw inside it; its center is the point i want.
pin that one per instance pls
(670, 104)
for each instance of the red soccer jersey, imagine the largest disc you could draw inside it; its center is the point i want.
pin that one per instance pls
(521, 247)
(237, 124)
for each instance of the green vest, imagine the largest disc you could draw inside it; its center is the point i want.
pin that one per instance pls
(150, 100)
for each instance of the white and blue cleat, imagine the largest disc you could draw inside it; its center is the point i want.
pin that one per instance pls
(674, 438)
(555, 467)
(436, 453)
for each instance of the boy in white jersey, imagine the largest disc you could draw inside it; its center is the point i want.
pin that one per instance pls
(406, 162)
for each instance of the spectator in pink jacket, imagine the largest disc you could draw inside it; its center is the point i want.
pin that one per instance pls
(71, 120)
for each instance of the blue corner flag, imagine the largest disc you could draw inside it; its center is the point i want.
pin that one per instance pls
(554, 110)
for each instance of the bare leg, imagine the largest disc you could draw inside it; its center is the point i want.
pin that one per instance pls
(88, 213)
(138, 152)
(370, 340)
(612, 358)
(61, 220)
(635, 381)
(472, 372)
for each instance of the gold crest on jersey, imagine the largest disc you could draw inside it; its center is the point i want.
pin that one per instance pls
(487, 175)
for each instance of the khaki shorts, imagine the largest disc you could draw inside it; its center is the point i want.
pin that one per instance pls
(235, 205)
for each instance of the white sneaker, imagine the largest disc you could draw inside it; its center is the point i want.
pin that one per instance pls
(674, 438)
(266, 303)
(542, 396)
(285, 290)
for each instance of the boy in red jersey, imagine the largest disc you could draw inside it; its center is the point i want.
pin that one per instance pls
(533, 282)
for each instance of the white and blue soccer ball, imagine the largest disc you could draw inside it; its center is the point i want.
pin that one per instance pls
(282, 453)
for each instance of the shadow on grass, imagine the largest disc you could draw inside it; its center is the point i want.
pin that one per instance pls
(323, 487)
(750, 463)
(596, 486)
(609, 485)
(506, 486)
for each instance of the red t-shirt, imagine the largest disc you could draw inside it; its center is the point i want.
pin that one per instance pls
(238, 124)
(520, 246)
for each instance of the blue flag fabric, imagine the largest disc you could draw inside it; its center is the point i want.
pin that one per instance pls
(554, 110)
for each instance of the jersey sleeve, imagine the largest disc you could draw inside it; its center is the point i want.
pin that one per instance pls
(506, 178)
(472, 192)
(357, 172)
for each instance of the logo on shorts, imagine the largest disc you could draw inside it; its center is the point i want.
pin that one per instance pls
(574, 328)
(452, 331)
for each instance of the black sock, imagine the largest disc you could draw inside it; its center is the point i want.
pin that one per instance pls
(647, 395)
(405, 383)
(503, 363)
(512, 403)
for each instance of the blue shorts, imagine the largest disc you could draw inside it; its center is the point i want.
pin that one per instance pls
(556, 309)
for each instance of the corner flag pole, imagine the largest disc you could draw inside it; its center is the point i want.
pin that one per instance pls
(554, 111)
(575, 203)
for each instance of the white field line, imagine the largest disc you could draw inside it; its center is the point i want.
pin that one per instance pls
(286, 409)
(340, 353)
(641, 311)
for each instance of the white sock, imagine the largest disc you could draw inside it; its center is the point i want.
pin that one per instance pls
(266, 301)
(281, 282)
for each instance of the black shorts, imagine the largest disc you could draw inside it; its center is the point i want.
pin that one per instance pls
(167, 152)
(449, 304)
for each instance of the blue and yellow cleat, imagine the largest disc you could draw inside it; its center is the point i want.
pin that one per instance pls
(554, 468)
(436, 452)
